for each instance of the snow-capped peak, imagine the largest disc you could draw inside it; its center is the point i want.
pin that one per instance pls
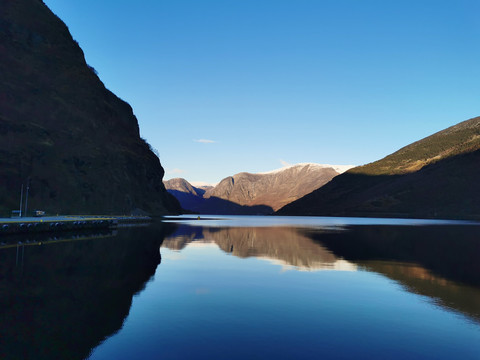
(338, 168)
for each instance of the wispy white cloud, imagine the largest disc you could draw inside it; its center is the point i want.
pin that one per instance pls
(205, 141)
(285, 163)
(175, 171)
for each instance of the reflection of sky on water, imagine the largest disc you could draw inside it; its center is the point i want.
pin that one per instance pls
(339, 265)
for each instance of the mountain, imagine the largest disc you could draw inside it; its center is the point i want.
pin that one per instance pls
(189, 196)
(192, 199)
(75, 142)
(182, 185)
(261, 193)
(274, 189)
(436, 177)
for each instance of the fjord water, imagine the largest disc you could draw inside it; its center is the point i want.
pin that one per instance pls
(247, 287)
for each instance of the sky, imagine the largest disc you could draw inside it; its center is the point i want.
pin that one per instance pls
(225, 86)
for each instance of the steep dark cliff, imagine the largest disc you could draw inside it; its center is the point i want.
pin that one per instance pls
(61, 130)
(436, 177)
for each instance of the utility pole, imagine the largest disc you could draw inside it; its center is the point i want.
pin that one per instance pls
(26, 197)
(21, 201)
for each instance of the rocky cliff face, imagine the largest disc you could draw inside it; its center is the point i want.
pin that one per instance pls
(436, 177)
(247, 193)
(274, 189)
(62, 131)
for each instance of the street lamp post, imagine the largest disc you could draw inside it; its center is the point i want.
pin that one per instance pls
(21, 201)
(26, 197)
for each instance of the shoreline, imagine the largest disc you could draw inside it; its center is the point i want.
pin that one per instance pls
(66, 222)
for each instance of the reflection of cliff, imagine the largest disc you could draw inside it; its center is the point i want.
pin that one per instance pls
(283, 245)
(63, 299)
(419, 280)
(441, 262)
(183, 235)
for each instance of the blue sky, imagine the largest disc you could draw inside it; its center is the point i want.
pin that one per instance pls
(274, 82)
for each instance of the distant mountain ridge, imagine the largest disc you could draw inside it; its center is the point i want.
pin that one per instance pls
(184, 186)
(189, 196)
(436, 177)
(338, 168)
(261, 193)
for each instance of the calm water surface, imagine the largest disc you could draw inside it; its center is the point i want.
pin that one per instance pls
(245, 287)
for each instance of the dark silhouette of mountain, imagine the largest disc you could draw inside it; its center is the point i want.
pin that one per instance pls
(61, 300)
(435, 177)
(62, 132)
(247, 193)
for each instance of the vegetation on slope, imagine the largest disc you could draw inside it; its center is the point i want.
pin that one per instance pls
(436, 177)
(458, 139)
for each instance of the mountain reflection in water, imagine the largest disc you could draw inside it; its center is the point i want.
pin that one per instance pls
(69, 298)
(281, 245)
(60, 300)
(440, 262)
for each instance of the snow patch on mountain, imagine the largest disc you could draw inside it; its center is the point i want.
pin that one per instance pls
(338, 168)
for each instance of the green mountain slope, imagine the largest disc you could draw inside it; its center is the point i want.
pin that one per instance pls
(435, 177)
(61, 130)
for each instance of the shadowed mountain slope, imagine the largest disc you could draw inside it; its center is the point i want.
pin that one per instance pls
(184, 186)
(61, 130)
(435, 177)
(190, 197)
